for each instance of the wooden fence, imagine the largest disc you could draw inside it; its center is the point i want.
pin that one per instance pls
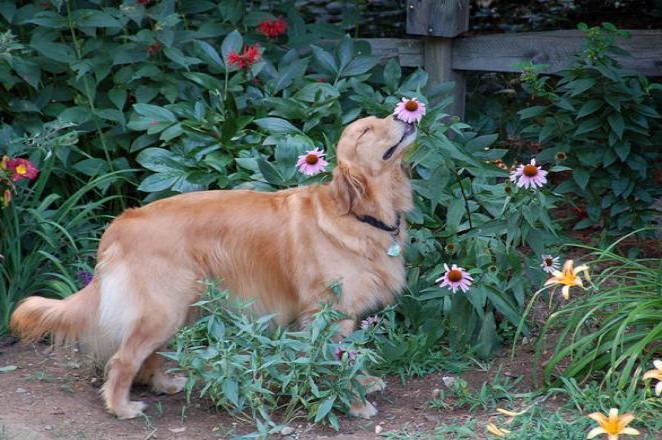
(446, 54)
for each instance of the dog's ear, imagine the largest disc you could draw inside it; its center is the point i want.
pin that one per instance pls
(348, 185)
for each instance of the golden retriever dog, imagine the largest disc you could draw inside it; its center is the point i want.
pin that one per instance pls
(282, 250)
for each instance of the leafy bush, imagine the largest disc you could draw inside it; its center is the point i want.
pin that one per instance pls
(614, 331)
(250, 366)
(604, 119)
(200, 98)
(45, 240)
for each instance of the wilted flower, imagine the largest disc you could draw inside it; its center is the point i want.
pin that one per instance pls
(370, 321)
(272, 28)
(312, 162)
(153, 49)
(529, 175)
(560, 156)
(21, 169)
(341, 351)
(549, 264)
(569, 277)
(455, 278)
(613, 426)
(655, 374)
(499, 432)
(247, 58)
(409, 110)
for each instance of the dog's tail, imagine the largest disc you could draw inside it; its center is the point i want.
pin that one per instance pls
(67, 320)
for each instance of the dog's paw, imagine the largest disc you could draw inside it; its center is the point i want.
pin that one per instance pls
(371, 384)
(168, 384)
(364, 410)
(132, 410)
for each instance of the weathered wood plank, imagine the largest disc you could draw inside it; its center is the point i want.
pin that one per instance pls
(502, 52)
(409, 52)
(438, 54)
(438, 18)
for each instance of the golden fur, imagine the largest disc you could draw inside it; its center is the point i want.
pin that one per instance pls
(282, 249)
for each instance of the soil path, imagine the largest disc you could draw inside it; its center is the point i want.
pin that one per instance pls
(56, 396)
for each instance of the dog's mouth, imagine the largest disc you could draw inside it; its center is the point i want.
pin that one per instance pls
(408, 136)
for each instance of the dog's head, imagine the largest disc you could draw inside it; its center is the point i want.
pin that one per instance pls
(370, 149)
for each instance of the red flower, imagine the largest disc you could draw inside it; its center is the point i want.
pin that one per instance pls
(22, 169)
(273, 28)
(247, 58)
(153, 49)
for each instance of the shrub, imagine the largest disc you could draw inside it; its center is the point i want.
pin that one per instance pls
(252, 368)
(603, 118)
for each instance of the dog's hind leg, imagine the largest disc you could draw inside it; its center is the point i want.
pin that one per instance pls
(146, 337)
(151, 373)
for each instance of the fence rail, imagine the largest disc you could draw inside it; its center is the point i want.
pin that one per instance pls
(446, 54)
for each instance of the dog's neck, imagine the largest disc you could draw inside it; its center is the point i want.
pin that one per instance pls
(388, 196)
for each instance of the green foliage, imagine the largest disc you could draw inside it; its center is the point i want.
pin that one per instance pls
(460, 396)
(251, 368)
(44, 239)
(604, 119)
(613, 332)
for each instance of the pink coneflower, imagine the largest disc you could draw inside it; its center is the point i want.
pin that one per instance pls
(455, 278)
(549, 264)
(312, 162)
(273, 28)
(409, 110)
(247, 58)
(21, 169)
(370, 321)
(529, 176)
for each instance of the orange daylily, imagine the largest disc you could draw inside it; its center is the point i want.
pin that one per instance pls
(569, 277)
(655, 374)
(613, 426)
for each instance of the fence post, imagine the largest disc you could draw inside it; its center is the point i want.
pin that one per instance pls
(439, 21)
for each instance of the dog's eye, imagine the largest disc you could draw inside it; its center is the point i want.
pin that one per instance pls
(365, 130)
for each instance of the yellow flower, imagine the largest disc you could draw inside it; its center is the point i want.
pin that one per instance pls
(499, 432)
(569, 277)
(655, 374)
(613, 426)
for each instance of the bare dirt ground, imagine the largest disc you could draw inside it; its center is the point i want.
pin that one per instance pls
(56, 396)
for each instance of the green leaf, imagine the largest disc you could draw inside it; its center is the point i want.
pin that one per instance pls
(231, 391)
(8, 368)
(48, 19)
(360, 65)
(287, 75)
(506, 308)
(276, 125)
(617, 124)
(157, 159)
(589, 107)
(325, 407)
(581, 177)
(579, 86)
(325, 60)
(209, 54)
(233, 42)
(178, 57)
(270, 172)
(392, 74)
(118, 97)
(94, 18)
(76, 114)
(532, 112)
(92, 167)
(587, 126)
(160, 181)
(55, 51)
(454, 214)
(155, 112)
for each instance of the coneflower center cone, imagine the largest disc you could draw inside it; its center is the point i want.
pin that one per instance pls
(530, 170)
(312, 159)
(454, 276)
(411, 106)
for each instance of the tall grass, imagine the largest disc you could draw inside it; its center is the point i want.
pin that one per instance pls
(45, 239)
(613, 331)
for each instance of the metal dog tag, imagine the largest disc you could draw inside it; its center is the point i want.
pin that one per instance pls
(394, 250)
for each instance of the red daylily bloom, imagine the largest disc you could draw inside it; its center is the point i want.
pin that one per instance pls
(22, 169)
(273, 28)
(247, 58)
